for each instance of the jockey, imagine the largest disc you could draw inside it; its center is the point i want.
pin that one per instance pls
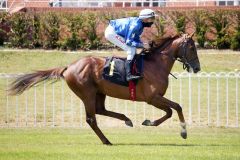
(125, 33)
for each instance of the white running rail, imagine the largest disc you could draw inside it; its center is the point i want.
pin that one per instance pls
(208, 99)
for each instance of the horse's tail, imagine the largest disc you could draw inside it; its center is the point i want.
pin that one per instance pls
(23, 82)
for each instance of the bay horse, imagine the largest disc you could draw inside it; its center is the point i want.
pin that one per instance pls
(84, 78)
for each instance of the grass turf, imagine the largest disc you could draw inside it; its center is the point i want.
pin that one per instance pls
(16, 61)
(128, 143)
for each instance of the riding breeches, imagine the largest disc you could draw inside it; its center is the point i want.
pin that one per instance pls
(119, 41)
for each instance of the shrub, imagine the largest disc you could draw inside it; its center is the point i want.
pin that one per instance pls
(133, 14)
(160, 25)
(90, 29)
(85, 30)
(179, 20)
(36, 33)
(235, 41)
(106, 16)
(22, 30)
(75, 25)
(200, 21)
(220, 23)
(4, 28)
(50, 30)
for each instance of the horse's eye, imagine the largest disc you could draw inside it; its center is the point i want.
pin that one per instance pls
(192, 48)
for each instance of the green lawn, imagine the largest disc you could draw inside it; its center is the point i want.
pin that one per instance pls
(28, 60)
(128, 143)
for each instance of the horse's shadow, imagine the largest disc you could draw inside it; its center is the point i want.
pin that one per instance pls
(170, 144)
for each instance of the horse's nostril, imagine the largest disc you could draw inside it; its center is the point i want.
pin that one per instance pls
(196, 69)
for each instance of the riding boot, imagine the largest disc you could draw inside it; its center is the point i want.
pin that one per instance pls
(129, 76)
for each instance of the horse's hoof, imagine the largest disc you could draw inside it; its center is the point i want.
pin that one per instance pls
(147, 123)
(184, 134)
(107, 143)
(129, 123)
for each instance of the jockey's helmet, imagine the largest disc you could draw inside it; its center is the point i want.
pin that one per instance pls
(146, 13)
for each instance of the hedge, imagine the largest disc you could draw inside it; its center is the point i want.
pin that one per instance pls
(216, 28)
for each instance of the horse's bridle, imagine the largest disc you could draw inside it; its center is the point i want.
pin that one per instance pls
(183, 59)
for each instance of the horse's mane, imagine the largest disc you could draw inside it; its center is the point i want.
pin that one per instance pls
(159, 43)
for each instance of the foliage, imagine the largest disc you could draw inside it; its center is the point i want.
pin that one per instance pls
(84, 30)
(179, 20)
(160, 25)
(220, 23)
(75, 25)
(91, 31)
(50, 30)
(22, 30)
(36, 33)
(3, 28)
(199, 19)
(106, 16)
(235, 41)
(133, 13)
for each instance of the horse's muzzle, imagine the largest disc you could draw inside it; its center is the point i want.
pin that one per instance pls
(193, 69)
(196, 68)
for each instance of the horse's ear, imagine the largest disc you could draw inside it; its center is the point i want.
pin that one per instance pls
(191, 35)
(151, 43)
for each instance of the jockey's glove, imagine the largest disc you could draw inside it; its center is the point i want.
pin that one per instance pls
(146, 46)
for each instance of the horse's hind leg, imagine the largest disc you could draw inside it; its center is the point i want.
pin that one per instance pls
(91, 119)
(87, 93)
(101, 110)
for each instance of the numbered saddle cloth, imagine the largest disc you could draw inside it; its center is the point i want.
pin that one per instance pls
(114, 69)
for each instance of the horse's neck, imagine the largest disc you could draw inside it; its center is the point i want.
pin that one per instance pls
(165, 59)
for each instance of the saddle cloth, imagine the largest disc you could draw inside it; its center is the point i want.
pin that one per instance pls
(114, 69)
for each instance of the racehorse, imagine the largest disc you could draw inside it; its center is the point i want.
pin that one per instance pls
(84, 78)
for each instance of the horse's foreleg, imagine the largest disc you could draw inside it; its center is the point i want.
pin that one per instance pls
(161, 120)
(178, 108)
(158, 103)
(165, 104)
(101, 110)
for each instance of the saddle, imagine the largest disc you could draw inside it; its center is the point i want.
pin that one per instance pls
(115, 72)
